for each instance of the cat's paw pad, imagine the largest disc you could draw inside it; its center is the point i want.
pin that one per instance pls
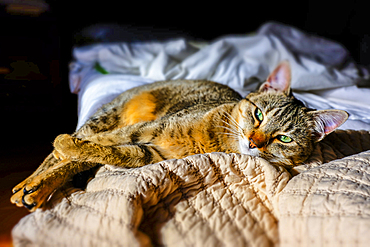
(28, 195)
(34, 191)
(17, 197)
(19, 186)
(66, 147)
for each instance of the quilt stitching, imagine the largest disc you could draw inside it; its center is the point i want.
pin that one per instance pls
(66, 222)
(200, 178)
(257, 196)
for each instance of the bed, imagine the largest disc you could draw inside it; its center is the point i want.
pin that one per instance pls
(220, 199)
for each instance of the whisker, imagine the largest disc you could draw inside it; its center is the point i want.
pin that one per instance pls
(233, 136)
(235, 131)
(230, 129)
(232, 125)
(230, 134)
(232, 119)
(230, 116)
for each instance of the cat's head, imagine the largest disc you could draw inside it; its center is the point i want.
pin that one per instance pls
(274, 125)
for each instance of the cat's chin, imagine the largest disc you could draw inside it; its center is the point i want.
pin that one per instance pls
(244, 148)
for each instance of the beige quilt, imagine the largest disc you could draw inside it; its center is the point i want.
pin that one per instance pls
(216, 199)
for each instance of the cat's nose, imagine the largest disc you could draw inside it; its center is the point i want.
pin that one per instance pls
(257, 142)
(252, 144)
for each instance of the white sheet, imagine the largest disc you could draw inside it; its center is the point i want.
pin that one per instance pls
(322, 74)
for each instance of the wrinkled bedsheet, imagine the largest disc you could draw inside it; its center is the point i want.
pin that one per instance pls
(216, 199)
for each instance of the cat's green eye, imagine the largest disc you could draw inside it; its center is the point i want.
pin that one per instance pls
(258, 114)
(285, 139)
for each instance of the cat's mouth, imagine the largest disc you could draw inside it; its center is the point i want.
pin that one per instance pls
(248, 147)
(252, 144)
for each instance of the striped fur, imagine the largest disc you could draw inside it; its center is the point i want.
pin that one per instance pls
(175, 119)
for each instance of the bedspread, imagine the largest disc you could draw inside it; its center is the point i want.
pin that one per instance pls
(216, 199)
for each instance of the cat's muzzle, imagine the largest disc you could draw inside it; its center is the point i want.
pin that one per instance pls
(252, 144)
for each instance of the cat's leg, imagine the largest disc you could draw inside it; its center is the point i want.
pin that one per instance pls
(39, 187)
(77, 155)
(49, 161)
(101, 121)
(73, 155)
(39, 176)
(49, 176)
(19, 190)
(128, 155)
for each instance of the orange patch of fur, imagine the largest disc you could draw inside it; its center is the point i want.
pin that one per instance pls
(139, 109)
(259, 139)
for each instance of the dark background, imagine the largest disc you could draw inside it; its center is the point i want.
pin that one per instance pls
(39, 106)
(35, 49)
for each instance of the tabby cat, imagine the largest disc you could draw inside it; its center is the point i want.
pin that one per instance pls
(174, 119)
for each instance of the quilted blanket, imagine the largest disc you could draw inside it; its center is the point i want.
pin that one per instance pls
(216, 199)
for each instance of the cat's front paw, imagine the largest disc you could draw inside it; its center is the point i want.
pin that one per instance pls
(27, 194)
(66, 147)
(35, 190)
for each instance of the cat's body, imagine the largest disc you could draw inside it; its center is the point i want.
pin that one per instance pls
(175, 119)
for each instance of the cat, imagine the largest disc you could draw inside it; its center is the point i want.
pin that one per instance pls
(175, 119)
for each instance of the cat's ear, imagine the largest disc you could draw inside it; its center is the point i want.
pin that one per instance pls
(279, 79)
(326, 121)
